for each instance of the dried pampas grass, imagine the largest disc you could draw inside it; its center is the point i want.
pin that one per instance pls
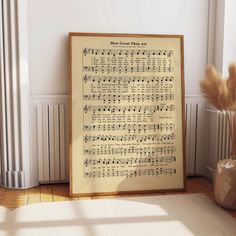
(219, 92)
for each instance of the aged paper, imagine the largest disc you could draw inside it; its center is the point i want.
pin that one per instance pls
(126, 132)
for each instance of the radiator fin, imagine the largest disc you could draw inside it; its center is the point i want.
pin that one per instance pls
(223, 137)
(195, 136)
(51, 142)
(219, 140)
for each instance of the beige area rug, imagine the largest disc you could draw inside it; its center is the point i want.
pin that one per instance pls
(187, 214)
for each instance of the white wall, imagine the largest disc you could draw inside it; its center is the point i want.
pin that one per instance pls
(51, 20)
(225, 37)
(219, 35)
(229, 52)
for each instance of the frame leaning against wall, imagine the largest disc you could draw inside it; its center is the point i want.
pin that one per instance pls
(82, 47)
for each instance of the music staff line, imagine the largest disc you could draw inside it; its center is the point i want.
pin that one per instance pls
(127, 69)
(129, 173)
(128, 161)
(126, 109)
(134, 97)
(131, 127)
(128, 79)
(130, 150)
(126, 52)
(124, 138)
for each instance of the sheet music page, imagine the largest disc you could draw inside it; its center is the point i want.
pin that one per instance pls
(126, 114)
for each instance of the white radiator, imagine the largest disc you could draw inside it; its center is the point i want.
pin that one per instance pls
(50, 136)
(195, 118)
(218, 140)
(11, 158)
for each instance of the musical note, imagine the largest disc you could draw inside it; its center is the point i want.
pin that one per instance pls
(126, 109)
(107, 150)
(112, 98)
(127, 52)
(128, 69)
(128, 138)
(131, 127)
(129, 173)
(134, 161)
(129, 79)
(85, 51)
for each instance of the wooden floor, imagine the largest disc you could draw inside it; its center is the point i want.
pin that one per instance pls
(60, 192)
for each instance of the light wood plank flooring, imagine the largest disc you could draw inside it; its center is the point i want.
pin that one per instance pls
(60, 192)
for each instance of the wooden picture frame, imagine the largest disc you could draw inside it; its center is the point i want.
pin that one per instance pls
(126, 121)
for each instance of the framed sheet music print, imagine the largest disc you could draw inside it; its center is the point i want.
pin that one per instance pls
(126, 113)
